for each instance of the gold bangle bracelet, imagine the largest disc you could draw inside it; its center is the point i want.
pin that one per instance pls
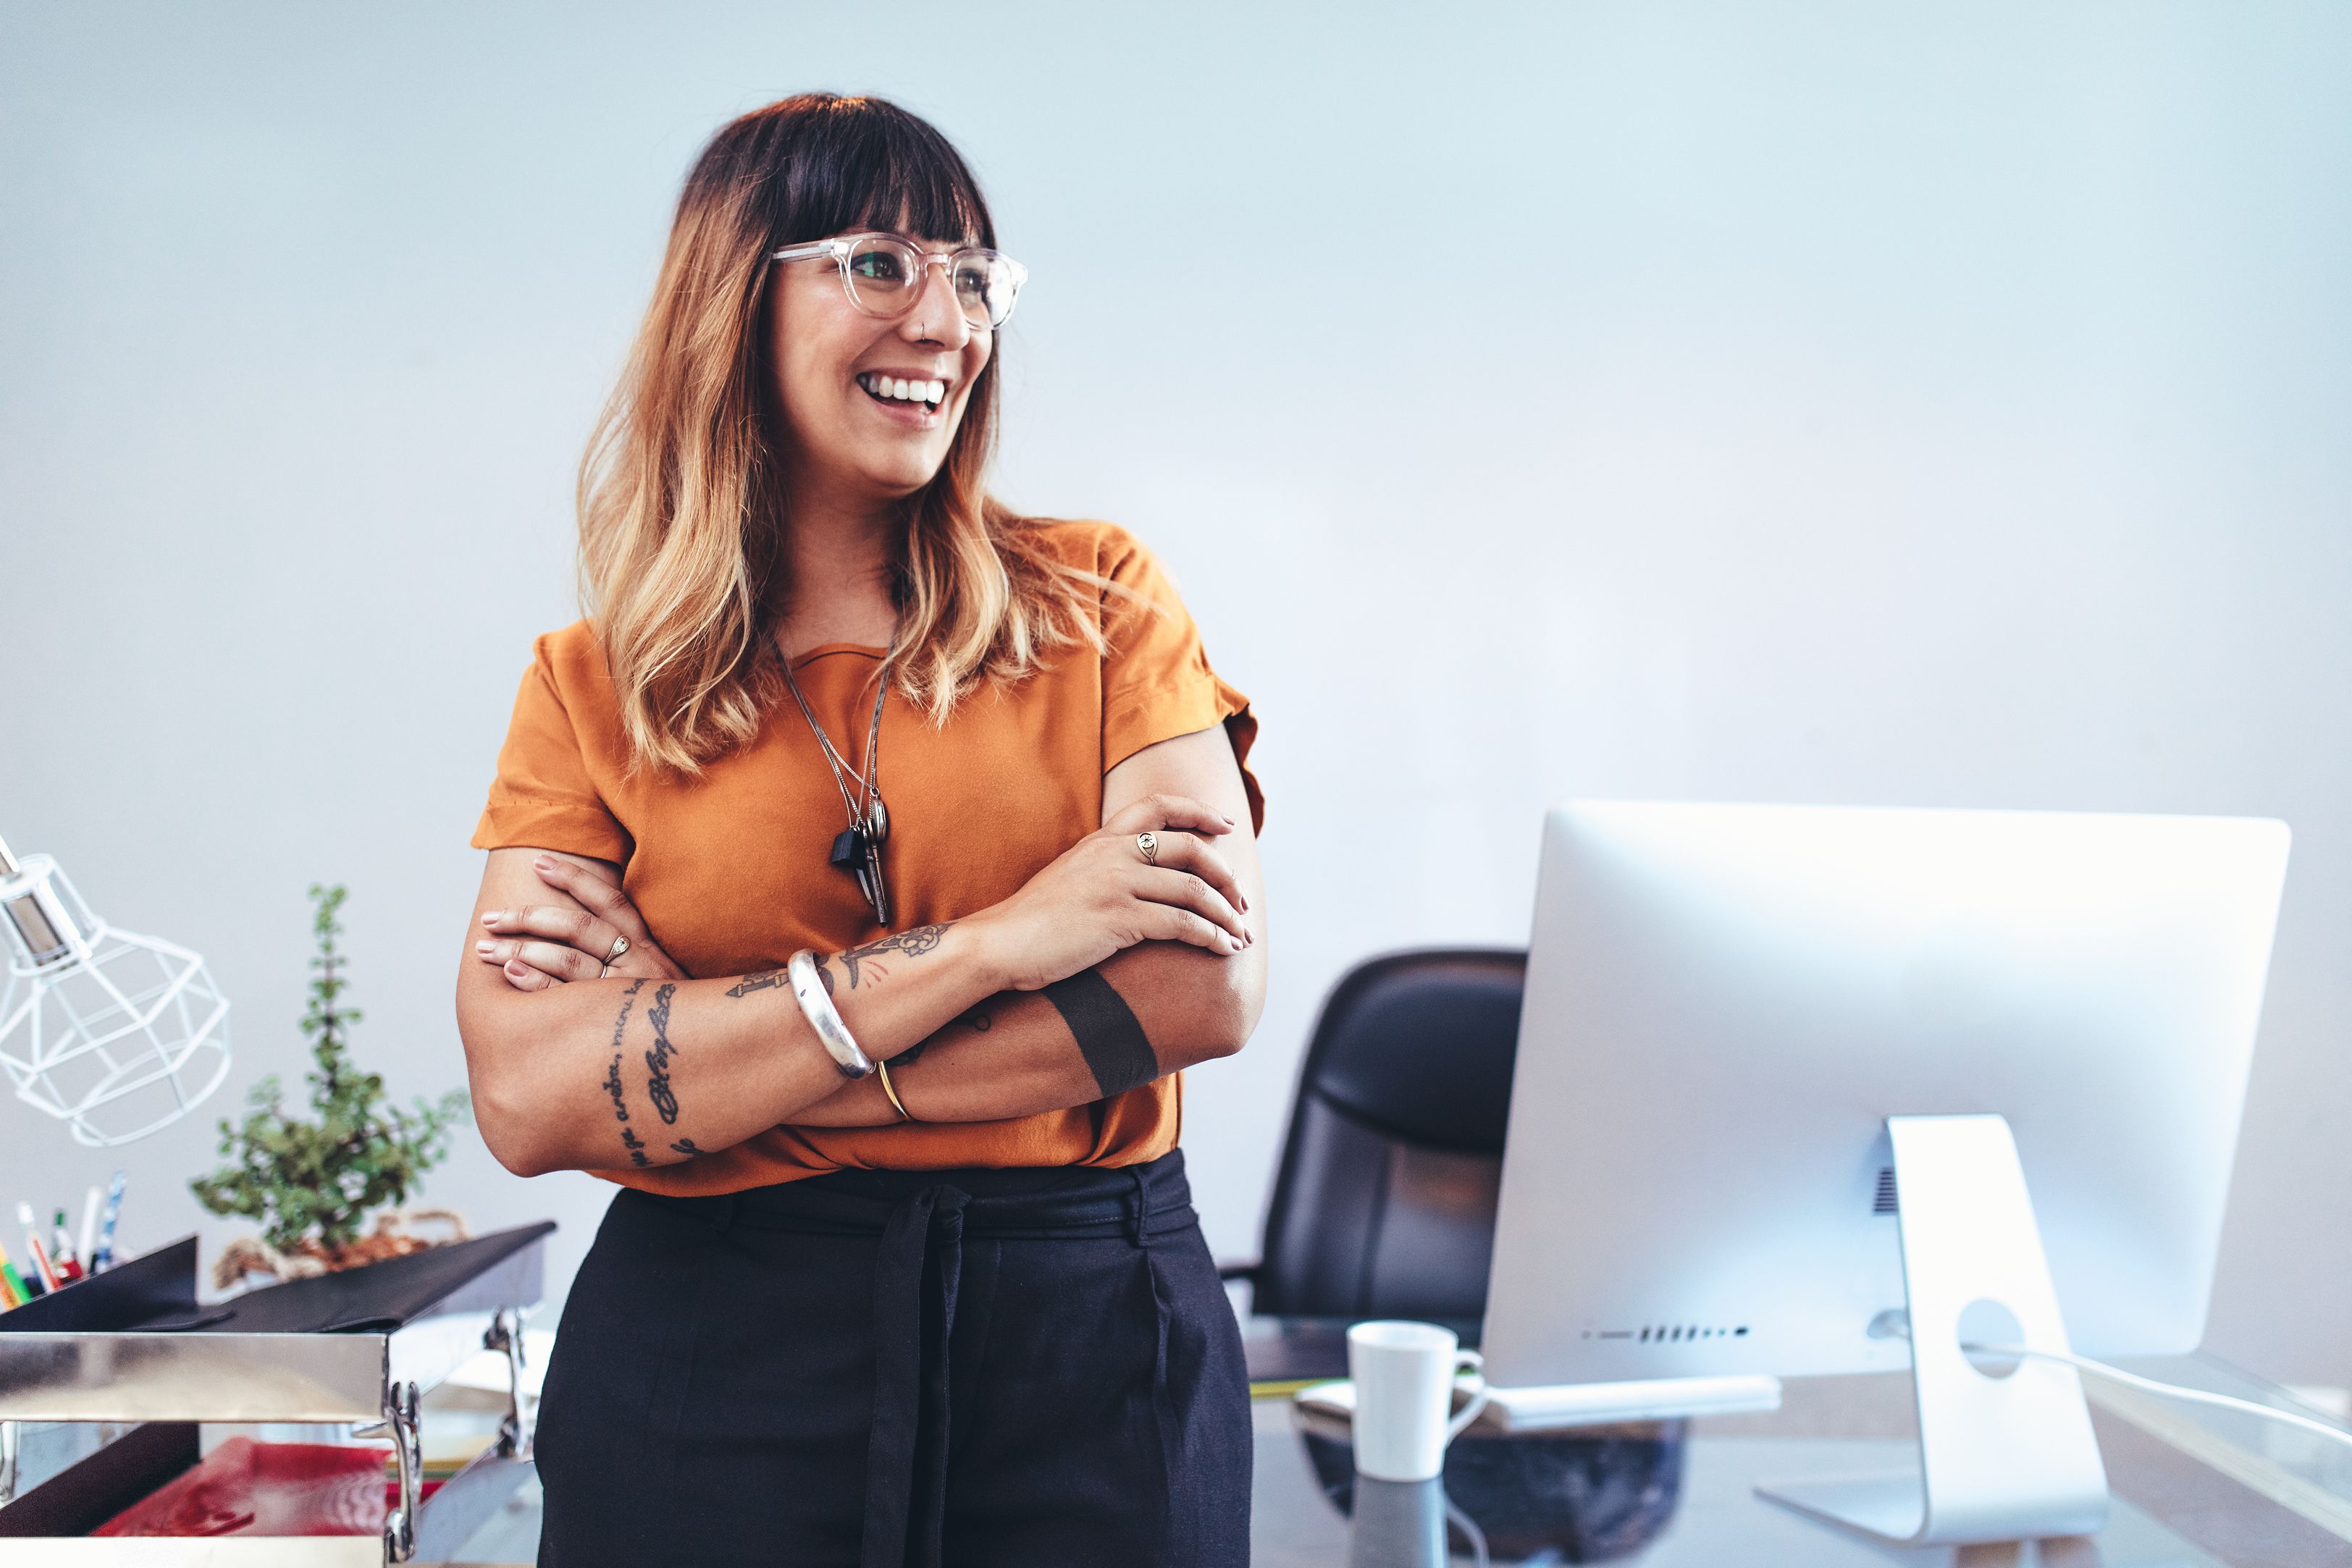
(882, 1071)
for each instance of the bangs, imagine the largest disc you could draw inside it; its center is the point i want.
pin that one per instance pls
(847, 164)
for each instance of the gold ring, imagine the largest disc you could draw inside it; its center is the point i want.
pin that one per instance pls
(1148, 845)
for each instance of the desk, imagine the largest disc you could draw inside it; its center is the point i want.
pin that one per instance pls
(2192, 1486)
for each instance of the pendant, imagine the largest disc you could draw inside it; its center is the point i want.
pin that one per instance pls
(858, 851)
(848, 850)
(877, 893)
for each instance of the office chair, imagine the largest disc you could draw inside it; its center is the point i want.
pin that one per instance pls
(1384, 1203)
(1384, 1206)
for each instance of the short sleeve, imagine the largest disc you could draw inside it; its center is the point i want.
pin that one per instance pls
(1157, 681)
(542, 797)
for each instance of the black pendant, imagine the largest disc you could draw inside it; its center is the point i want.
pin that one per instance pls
(848, 850)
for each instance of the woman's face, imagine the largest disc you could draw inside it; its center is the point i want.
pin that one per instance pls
(852, 385)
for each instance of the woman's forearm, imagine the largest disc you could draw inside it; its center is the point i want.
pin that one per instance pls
(627, 1074)
(1022, 1052)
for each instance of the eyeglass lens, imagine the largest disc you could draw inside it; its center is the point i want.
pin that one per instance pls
(886, 277)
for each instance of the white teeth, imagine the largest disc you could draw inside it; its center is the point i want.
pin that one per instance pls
(932, 392)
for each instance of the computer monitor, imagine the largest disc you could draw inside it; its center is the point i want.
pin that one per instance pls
(1725, 1004)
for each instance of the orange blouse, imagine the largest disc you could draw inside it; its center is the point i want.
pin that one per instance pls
(731, 870)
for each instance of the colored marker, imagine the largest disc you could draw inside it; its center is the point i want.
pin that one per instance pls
(40, 1254)
(104, 1257)
(18, 1291)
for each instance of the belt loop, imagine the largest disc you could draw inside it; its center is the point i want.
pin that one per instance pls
(1142, 1207)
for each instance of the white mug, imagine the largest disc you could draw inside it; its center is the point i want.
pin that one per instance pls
(1403, 1374)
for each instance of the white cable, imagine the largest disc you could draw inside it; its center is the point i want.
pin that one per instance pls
(2168, 1390)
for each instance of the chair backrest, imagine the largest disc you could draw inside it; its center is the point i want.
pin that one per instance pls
(1384, 1204)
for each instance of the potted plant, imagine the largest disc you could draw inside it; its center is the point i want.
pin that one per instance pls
(312, 1184)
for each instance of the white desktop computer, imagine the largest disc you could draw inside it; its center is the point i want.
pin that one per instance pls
(1807, 1090)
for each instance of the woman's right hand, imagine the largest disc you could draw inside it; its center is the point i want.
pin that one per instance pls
(1101, 896)
(540, 945)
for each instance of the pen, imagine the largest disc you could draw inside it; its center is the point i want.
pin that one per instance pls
(104, 1257)
(89, 1228)
(49, 1280)
(61, 1251)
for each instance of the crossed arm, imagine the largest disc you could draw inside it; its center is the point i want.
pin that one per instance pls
(977, 1020)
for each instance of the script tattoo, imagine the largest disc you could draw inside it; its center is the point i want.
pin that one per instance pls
(658, 1087)
(629, 1139)
(686, 1146)
(907, 943)
(766, 979)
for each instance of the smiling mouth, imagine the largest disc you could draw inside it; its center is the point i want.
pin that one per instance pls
(888, 389)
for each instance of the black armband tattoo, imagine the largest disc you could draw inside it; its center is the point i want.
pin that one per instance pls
(1117, 1051)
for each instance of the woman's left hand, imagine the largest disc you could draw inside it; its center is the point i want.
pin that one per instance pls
(542, 945)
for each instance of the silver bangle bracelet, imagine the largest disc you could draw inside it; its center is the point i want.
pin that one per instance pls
(816, 1006)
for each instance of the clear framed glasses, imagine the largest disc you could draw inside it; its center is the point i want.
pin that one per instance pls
(884, 274)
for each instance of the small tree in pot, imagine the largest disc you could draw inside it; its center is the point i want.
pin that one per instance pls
(312, 1184)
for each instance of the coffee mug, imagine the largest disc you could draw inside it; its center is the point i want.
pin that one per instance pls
(1403, 1373)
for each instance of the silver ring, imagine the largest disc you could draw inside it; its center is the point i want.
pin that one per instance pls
(620, 946)
(1148, 844)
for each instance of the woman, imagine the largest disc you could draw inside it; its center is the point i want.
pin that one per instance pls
(849, 765)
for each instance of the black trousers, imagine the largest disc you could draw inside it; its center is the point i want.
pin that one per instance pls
(883, 1368)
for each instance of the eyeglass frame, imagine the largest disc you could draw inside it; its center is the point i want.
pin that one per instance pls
(839, 248)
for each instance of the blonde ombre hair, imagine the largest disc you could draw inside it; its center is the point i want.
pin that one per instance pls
(683, 507)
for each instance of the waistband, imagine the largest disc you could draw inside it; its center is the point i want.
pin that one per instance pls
(923, 1218)
(1063, 1202)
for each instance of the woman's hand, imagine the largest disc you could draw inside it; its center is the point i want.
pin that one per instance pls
(540, 945)
(1102, 896)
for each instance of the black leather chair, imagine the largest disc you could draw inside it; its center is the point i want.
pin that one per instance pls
(1384, 1204)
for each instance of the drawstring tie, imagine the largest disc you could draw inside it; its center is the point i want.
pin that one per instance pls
(925, 1235)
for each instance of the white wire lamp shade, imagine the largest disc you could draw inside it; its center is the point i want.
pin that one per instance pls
(114, 1034)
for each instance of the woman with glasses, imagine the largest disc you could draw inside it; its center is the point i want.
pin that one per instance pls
(863, 869)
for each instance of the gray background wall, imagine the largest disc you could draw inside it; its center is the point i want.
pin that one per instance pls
(1905, 405)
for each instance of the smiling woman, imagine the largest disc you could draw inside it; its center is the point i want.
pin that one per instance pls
(905, 1255)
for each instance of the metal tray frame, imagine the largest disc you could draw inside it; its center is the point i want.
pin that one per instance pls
(166, 1382)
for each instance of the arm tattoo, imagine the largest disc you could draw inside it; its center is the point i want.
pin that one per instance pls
(686, 1146)
(1117, 1051)
(908, 944)
(658, 1087)
(629, 1139)
(977, 1018)
(766, 979)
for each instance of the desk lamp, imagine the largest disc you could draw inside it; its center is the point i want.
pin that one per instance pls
(114, 1034)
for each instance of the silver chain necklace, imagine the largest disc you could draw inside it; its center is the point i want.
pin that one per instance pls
(857, 849)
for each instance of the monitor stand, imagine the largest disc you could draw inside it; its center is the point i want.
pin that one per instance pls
(2001, 1458)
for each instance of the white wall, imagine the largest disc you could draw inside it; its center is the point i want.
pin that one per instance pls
(1903, 406)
